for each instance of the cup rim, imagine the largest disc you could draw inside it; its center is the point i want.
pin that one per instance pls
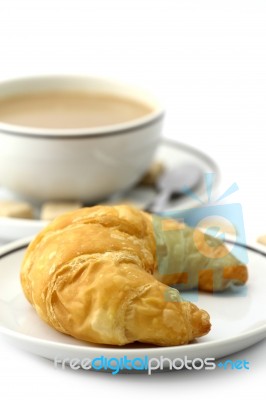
(102, 131)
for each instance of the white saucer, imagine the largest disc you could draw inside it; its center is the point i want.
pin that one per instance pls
(238, 319)
(170, 153)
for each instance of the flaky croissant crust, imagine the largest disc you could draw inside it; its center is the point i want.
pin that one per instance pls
(89, 274)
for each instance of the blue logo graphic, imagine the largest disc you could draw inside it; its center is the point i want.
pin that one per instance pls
(212, 219)
(229, 216)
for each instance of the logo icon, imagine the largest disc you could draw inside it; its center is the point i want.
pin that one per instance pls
(211, 220)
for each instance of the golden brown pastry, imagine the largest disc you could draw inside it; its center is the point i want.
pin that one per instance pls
(89, 274)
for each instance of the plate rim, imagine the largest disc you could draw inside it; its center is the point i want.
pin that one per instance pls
(20, 244)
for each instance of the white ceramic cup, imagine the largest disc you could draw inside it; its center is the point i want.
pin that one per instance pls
(85, 164)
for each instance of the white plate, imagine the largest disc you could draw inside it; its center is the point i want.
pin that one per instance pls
(238, 319)
(170, 153)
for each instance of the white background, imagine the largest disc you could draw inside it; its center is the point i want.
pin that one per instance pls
(207, 62)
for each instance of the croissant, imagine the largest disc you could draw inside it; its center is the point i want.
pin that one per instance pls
(89, 274)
